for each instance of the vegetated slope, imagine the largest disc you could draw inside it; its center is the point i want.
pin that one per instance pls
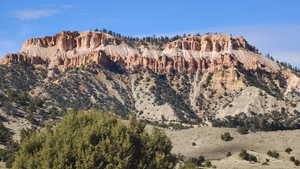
(212, 79)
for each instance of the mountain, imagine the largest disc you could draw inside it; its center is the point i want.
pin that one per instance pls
(212, 79)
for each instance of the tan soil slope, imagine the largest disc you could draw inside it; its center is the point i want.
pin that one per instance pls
(210, 145)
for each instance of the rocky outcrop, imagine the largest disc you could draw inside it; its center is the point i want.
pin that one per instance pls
(21, 58)
(165, 64)
(99, 58)
(63, 41)
(66, 41)
(211, 43)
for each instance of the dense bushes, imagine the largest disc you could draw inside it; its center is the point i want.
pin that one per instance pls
(5, 134)
(95, 140)
(8, 153)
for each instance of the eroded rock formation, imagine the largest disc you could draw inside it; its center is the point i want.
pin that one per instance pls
(211, 43)
(191, 54)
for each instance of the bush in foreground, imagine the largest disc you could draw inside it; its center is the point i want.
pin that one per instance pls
(95, 140)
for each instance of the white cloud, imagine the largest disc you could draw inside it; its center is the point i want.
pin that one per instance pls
(35, 14)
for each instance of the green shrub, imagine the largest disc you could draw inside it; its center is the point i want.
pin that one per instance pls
(26, 133)
(194, 163)
(288, 150)
(292, 158)
(246, 156)
(273, 154)
(226, 137)
(207, 164)
(297, 163)
(95, 140)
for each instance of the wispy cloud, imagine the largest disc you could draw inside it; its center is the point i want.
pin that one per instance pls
(35, 14)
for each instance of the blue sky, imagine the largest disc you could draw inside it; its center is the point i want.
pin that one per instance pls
(273, 26)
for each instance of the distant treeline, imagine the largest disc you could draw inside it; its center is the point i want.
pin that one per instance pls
(285, 64)
(276, 120)
(155, 40)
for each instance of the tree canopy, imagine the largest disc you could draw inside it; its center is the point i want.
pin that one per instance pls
(95, 140)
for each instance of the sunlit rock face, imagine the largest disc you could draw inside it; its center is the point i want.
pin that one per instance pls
(211, 53)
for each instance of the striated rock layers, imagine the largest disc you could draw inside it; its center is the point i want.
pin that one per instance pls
(190, 54)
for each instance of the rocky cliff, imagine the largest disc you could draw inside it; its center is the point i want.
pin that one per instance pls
(191, 54)
(192, 79)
